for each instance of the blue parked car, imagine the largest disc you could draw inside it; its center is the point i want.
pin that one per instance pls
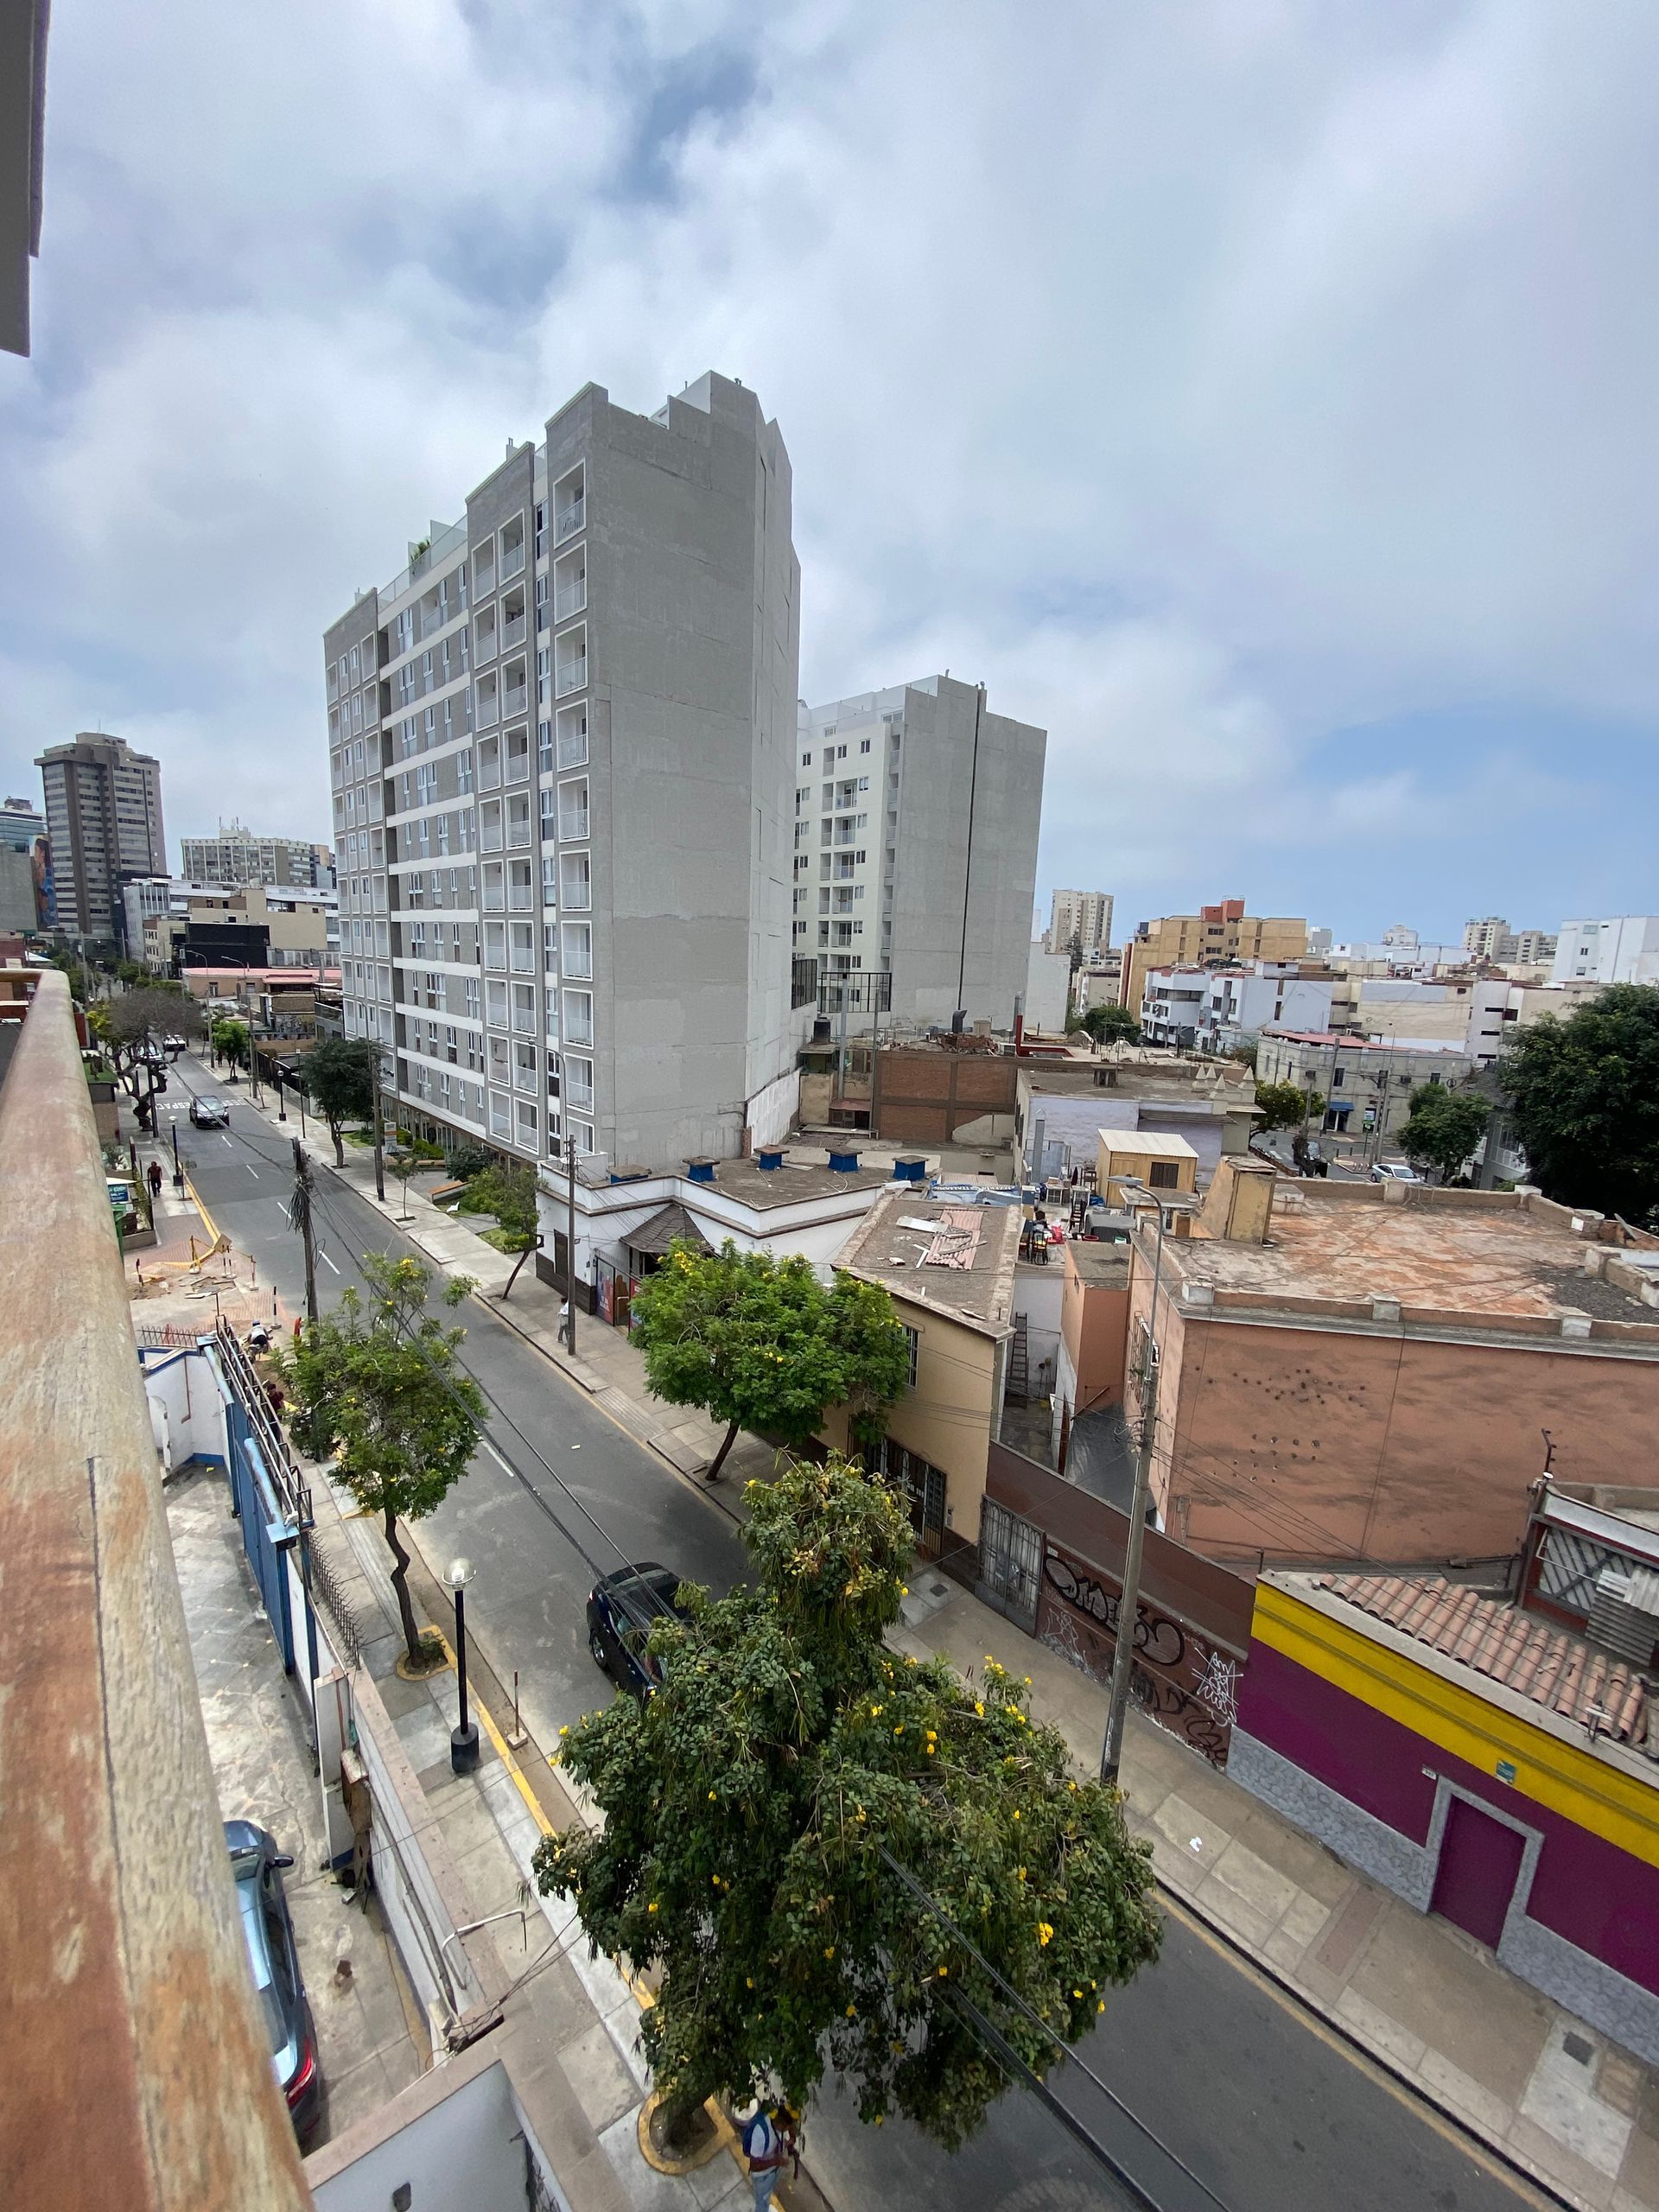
(622, 1610)
(269, 1933)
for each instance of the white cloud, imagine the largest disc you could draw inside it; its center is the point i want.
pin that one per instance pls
(1205, 379)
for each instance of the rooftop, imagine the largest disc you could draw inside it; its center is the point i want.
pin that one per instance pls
(959, 1258)
(752, 1185)
(1484, 1256)
(1351, 1043)
(1153, 1144)
(1099, 1265)
(1547, 1665)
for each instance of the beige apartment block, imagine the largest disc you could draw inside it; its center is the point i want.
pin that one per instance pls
(1216, 937)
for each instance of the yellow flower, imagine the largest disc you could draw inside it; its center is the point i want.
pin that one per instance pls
(650, 1908)
(749, 1980)
(828, 1950)
(1045, 1931)
(1016, 1815)
(979, 1706)
(711, 1796)
(564, 1732)
(1022, 1874)
(1077, 1993)
(903, 1589)
(876, 1713)
(1027, 1682)
(714, 1878)
(942, 1972)
(899, 1730)
(1101, 2007)
(876, 2122)
(860, 1812)
(929, 1750)
(852, 2011)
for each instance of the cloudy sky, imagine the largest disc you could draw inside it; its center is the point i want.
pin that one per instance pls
(1259, 393)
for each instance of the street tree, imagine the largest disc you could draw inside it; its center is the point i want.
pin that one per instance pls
(753, 1808)
(378, 1381)
(759, 1343)
(1108, 1025)
(231, 1040)
(1585, 1097)
(508, 1192)
(1283, 1105)
(131, 1024)
(339, 1084)
(1443, 1128)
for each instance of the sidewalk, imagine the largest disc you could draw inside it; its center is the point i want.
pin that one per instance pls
(1551, 2095)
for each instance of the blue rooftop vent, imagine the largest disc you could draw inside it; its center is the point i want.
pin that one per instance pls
(910, 1171)
(768, 1157)
(843, 1163)
(700, 1171)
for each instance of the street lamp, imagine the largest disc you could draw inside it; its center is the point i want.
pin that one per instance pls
(463, 1741)
(282, 1103)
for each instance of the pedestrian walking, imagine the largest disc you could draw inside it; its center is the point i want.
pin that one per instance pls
(154, 1180)
(768, 2138)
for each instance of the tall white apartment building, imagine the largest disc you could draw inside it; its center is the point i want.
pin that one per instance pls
(1084, 915)
(561, 742)
(238, 855)
(1623, 949)
(916, 818)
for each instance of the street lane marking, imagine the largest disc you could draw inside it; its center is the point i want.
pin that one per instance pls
(224, 1139)
(326, 1261)
(254, 1172)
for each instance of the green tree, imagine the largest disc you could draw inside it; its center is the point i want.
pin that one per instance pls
(1108, 1025)
(133, 1024)
(508, 1192)
(1584, 1097)
(749, 1805)
(378, 1381)
(339, 1075)
(1443, 1128)
(231, 1040)
(1283, 1105)
(759, 1342)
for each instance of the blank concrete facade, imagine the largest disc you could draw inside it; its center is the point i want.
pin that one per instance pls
(562, 743)
(916, 818)
(1622, 949)
(104, 817)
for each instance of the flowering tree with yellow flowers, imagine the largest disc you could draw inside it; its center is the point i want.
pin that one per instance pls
(751, 1803)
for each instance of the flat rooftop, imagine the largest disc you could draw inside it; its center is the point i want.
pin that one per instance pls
(788, 1186)
(1487, 1254)
(959, 1258)
(1099, 1265)
(1155, 1144)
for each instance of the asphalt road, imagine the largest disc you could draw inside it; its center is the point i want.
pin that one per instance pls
(1269, 2109)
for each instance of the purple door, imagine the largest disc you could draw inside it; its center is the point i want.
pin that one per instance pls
(1475, 1880)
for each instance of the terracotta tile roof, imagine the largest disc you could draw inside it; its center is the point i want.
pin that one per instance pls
(1525, 1653)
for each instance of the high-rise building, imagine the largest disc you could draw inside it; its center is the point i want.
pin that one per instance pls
(1623, 949)
(916, 819)
(22, 852)
(561, 744)
(1493, 939)
(1085, 917)
(239, 855)
(104, 818)
(1216, 937)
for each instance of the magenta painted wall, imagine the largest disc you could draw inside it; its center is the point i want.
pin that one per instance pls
(1587, 1890)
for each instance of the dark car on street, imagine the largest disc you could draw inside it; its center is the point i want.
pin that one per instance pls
(210, 1114)
(268, 1932)
(622, 1610)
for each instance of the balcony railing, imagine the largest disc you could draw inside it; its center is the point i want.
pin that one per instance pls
(522, 898)
(489, 840)
(518, 766)
(570, 601)
(519, 835)
(573, 824)
(577, 1102)
(488, 712)
(568, 520)
(492, 900)
(571, 675)
(523, 960)
(513, 633)
(518, 698)
(512, 560)
(524, 1079)
(573, 748)
(489, 776)
(578, 894)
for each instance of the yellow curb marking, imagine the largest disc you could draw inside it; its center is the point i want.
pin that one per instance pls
(207, 1221)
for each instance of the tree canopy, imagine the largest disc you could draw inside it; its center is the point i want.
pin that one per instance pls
(231, 1040)
(759, 1343)
(1443, 1128)
(378, 1381)
(1585, 1097)
(507, 1191)
(748, 1805)
(1108, 1025)
(339, 1078)
(1284, 1105)
(126, 1024)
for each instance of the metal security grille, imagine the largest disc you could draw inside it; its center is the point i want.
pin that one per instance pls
(1010, 1562)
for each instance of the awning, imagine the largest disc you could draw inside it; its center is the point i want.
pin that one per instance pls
(653, 1236)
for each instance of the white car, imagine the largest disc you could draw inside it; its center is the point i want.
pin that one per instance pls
(1389, 1170)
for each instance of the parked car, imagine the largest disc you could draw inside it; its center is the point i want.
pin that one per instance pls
(1391, 1170)
(173, 1046)
(268, 1930)
(210, 1114)
(622, 1610)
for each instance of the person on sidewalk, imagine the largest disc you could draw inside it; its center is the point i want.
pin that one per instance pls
(768, 2140)
(155, 1179)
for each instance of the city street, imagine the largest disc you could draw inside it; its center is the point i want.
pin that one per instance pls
(1269, 2108)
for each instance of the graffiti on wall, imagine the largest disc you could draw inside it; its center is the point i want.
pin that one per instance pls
(1179, 1679)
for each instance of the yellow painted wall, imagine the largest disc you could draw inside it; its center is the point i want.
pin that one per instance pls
(947, 1417)
(1622, 1809)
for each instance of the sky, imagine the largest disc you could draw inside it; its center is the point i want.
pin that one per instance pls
(1258, 394)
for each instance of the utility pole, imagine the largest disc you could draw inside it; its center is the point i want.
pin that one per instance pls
(379, 1127)
(570, 1246)
(299, 1218)
(1129, 1604)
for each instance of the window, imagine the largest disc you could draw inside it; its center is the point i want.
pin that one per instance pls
(1163, 1174)
(864, 745)
(912, 1340)
(806, 762)
(578, 949)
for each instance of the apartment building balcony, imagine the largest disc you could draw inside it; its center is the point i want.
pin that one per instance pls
(513, 633)
(577, 1100)
(486, 711)
(489, 775)
(516, 699)
(573, 825)
(569, 519)
(570, 675)
(492, 899)
(570, 601)
(489, 838)
(512, 560)
(523, 960)
(519, 832)
(522, 899)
